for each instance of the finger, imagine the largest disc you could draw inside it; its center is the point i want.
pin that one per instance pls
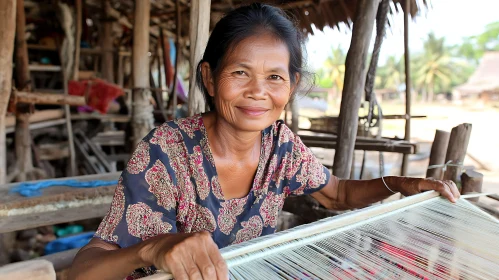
(454, 189)
(204, 264)
(176, 268)
(192, 268)
(217, 260)
(445, 191)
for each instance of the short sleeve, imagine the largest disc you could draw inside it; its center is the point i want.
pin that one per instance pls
(305, 173)
(144, 202)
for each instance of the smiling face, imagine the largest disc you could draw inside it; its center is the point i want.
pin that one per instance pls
(253, 86)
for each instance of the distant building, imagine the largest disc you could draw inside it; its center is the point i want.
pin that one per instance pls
(484, 83)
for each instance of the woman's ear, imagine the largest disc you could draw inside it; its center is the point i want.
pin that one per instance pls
(208, 80)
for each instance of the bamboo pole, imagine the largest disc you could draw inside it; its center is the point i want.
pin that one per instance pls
(142, 117)
(177, 59)
(78, 29)
(49, 98)
(407, 136)
(199, 34)
(7, 31)
(354, 87)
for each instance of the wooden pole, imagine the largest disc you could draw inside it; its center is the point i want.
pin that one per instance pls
(177, 59)
(142, 117)
(294, 116)
(7, 31)
(78, 29)
(456, 151)
(23, 111)
(407, 61)
(107, 62)
(49, 98)
(471, 181)
(354, 87)
(437, 154)
(199, 34)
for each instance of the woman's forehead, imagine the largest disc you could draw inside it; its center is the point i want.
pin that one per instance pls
(259, 47)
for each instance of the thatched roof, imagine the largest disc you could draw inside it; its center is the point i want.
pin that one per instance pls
(485, 78)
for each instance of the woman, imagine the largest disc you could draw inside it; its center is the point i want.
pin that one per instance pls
(198, 184)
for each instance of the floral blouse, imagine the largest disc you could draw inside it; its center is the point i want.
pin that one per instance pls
(171, 185)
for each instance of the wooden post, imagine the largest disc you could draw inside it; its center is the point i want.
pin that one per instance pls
(354, 87)
(407, 61)
(178, 52)
(456, 151)
(107, 62)
(23, 111)
(199, 34)
(294, 116)
(78, 29)
(471, 181)
(142, 117)
(437, 154)
(7, 31)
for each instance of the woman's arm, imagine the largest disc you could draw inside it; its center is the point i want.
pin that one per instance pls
(185, 255)
(348, 194)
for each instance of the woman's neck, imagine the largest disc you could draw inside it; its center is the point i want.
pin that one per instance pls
(229, 143)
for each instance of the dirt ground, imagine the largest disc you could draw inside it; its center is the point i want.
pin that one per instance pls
(483, 149)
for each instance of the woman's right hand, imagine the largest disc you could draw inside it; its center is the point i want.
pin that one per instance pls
(186, 256)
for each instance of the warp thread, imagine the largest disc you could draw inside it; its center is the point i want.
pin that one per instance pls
(30, 189)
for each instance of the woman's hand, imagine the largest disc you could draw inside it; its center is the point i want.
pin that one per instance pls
(410, 186)
(186, 256)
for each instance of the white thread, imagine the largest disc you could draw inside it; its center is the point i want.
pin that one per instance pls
(386, 184)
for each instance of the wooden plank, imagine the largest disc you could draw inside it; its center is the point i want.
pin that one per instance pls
(199, 34)
(61, 260)
(437, 154)
(32, 269)
(354, 86)
(7, 30)
(456, 150)
(49, 98)
(39, 125)
(37, 116)
(44, 68)
(396, 148)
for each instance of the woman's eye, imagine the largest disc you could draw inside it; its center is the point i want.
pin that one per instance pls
(276, 77)
(239, 72)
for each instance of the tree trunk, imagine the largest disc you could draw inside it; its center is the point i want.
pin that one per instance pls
(431, 92)
(354, 86)
(7, 31)
(456, 151)
(437, 154)
(23, 110)
(142, 117)
(199, 34)
(407, 66)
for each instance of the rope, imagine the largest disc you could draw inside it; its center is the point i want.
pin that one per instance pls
(444, 166)
(31, 189)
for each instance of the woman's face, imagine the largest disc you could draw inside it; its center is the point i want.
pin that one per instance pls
(253, 86)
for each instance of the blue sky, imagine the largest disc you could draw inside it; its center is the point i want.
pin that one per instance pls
(453, 19)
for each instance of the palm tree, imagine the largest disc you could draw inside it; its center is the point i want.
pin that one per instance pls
(434, 66)
(392, 73)
(335, 68)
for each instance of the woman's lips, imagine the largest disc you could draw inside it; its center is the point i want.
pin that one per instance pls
(253, 111)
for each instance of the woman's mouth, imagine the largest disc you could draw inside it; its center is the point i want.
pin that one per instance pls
(252, 111)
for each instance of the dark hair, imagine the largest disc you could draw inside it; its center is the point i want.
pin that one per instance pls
(245, 22)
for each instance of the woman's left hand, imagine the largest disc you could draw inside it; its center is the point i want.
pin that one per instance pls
(410, 186)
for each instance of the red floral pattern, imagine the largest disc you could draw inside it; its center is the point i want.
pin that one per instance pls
(270, 208)
(144, 223)
(205, 221)
(160, 184)
(190, 125)
(216, 188)
(113, 216)
(251, 229)
(229, 212)
(202, 182)
(140, 159)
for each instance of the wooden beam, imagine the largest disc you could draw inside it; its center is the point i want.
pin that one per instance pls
(49, 98)
(7, 31)
(199, 34)
(78, 28)
(407, 63)
(437, 154)
(142, 117)
(456, 151)
(354, 87)
(23, 109)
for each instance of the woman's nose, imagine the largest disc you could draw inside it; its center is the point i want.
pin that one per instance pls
(257, 88)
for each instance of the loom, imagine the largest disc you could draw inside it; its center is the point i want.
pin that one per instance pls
(419, 237)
